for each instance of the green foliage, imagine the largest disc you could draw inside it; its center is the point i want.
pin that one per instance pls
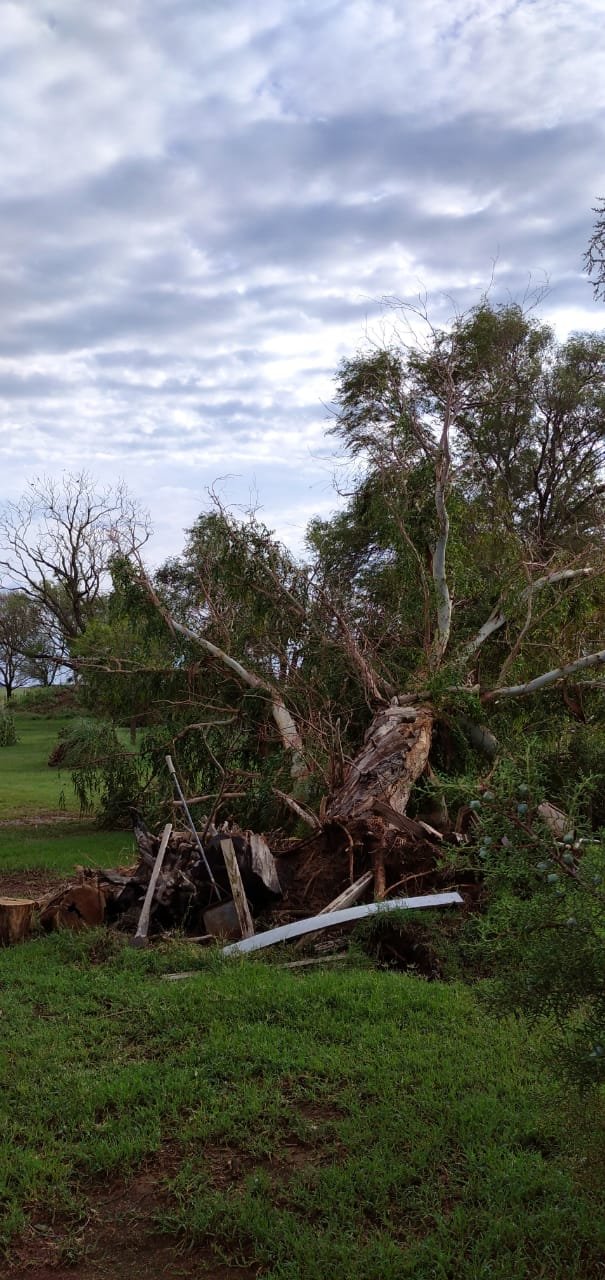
(543, 933)
(49, 701)
(103, 772)
(577, 757)
(8, 731)
(530, 425)
(21, 635)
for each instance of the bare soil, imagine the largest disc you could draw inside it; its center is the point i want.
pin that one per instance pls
(117, 1237)
(30, 884)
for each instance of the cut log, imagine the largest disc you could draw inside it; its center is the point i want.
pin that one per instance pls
(16, 919)
(81, 906)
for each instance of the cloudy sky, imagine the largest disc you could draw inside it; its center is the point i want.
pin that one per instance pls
(202, 202)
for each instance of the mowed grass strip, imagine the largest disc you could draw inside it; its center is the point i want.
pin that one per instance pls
(39, 812)
(28, 787)
(58, 847)
(354, 1125)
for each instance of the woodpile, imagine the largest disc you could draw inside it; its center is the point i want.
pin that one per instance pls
(219, 881)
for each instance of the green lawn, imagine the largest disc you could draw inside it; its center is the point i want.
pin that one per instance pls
(59, 846)
(40, 812)
(27, 785)
(349, 1125)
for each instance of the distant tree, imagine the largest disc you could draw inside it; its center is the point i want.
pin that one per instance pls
(19, 634)
(594, 257)
(56, 544)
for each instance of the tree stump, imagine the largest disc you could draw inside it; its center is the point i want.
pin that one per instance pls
(16, 919)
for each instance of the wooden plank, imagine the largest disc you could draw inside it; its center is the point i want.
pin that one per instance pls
(398, 820)
(336, 918)
(263, 862)
(349, 895)
(345, 899)
(140, 937)
(237, 888)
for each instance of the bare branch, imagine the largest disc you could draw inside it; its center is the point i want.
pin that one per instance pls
(304, 814)
(498, 617)
(547, 678)
(286, 725)
(443, 467)
(57, 541)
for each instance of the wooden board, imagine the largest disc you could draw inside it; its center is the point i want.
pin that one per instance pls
(337, 918)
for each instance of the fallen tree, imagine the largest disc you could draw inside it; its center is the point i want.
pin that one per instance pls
(465, 573)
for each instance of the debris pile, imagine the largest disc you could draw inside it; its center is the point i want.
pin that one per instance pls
(192, 891)
(223, 882)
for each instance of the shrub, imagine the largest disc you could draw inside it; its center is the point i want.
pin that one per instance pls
(103, 772)
(8, 733)
(543, 933)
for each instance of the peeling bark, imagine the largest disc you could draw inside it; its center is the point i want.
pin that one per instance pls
(395, 752)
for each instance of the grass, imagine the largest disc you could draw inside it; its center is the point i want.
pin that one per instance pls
(27, 785)
(59, 846)
(357, 1125)
(31, 793)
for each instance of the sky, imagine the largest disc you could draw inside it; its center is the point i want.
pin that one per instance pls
(203, 204)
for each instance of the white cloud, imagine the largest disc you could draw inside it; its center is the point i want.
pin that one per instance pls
(201, 205)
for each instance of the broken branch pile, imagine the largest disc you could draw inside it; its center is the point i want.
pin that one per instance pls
(189, 881)
(215, 882)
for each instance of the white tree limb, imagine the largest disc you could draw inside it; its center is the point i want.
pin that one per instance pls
(498, 618)
(547, 678)
(284, 720)
(444, 600)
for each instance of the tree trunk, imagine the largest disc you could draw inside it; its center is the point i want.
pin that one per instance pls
(16, 919)
(395, 752)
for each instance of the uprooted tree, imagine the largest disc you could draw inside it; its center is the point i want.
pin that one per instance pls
(464, 573)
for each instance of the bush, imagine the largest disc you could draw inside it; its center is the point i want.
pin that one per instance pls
(47, 700)
(543, 934)
(103, 772)
(8, 732)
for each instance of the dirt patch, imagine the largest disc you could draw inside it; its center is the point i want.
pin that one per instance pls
(44, 818)
(117, 1239)
(116, 1236)
(29, 884)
